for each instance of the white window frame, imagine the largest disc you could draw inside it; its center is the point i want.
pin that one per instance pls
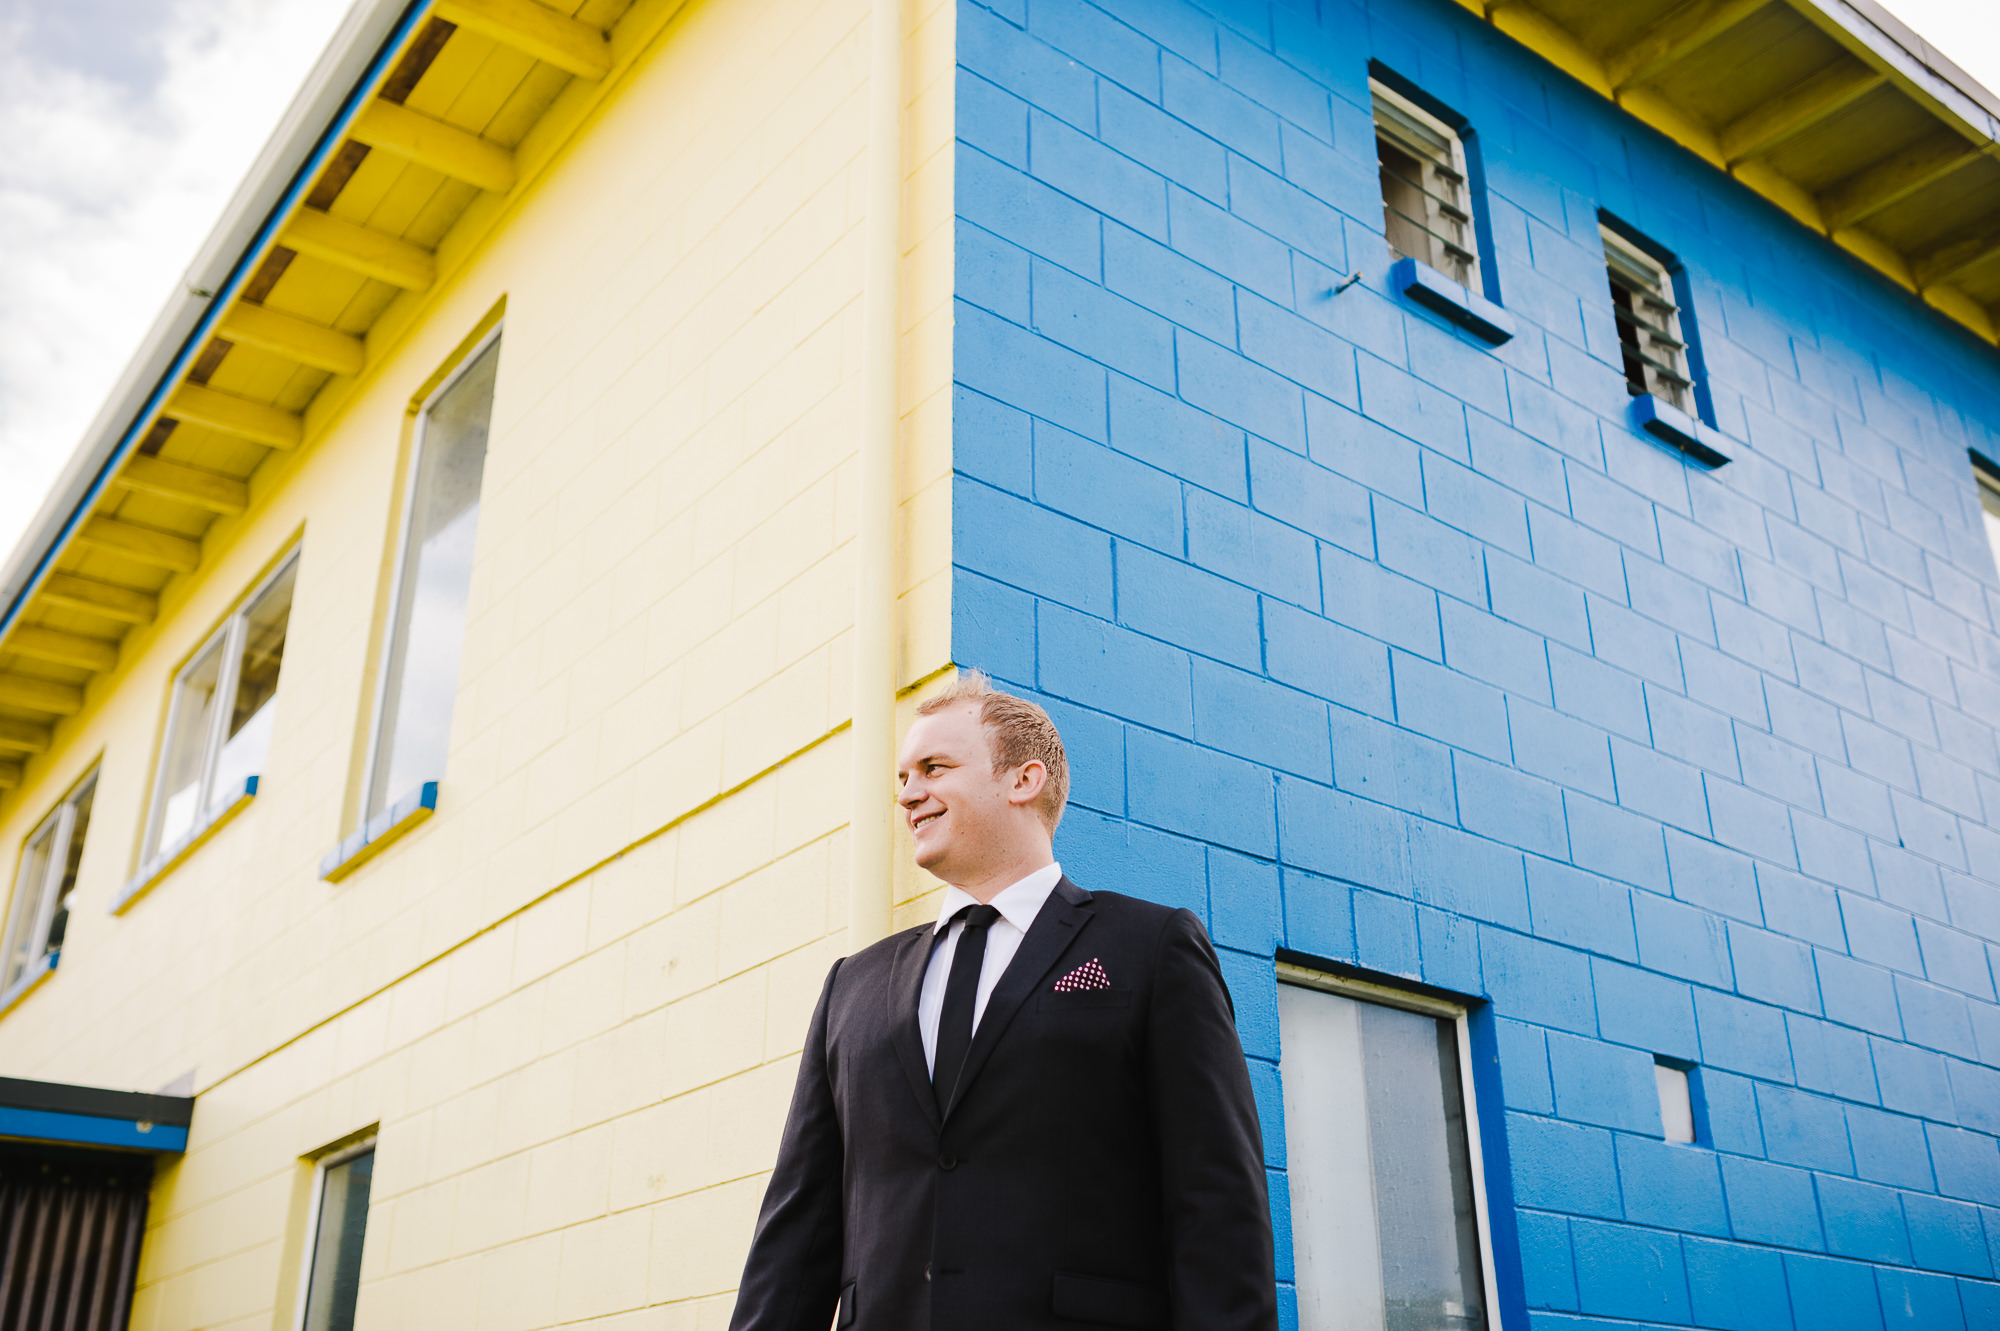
(369, 774)
(1647, 278)
(60, 825)
(230, 635)
(1366, 991)
(320, 1165)
(1989, 509)
(1405, 123)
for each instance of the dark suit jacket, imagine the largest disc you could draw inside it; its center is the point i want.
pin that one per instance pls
(1099, 1165)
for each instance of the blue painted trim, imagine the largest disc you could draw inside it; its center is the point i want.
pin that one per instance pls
(302, 180)
(383, 828)
(89, 1130)
(1670, 424)
(1467, 308)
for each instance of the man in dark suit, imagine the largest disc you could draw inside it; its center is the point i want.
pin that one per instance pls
(1033, 1113)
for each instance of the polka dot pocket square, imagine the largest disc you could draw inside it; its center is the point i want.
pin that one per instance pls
(1090, 975)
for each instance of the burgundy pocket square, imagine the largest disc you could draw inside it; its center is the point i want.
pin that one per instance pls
(1090, 975)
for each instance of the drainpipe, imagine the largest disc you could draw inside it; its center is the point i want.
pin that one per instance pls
(871, 832)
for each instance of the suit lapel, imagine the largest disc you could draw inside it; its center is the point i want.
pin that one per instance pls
(906, 982)
(1063, 917)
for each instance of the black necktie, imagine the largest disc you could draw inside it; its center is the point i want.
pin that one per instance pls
(954, 1035)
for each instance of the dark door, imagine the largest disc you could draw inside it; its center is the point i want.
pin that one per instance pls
(70, 1225)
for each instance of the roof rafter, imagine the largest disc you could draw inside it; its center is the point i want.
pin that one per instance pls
(189, 485)
(142, 545)
(24, 736)
(1939, 263)
(258, 422)
(46, 644)
(535, 29)
(107, 600)
(1677, 35)
(361, 250)
(40, 695)
(1892, 180)
(1777, 122)
(433, 143)
(296, 339)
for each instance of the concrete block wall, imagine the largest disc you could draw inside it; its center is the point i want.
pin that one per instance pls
(1383, 646)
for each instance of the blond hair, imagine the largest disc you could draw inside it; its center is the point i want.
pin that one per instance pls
(1017, 731)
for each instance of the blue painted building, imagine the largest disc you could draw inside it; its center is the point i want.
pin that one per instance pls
(1619, 668)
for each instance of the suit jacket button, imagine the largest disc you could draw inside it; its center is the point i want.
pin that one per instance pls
(927, 1270)
(947, 1161)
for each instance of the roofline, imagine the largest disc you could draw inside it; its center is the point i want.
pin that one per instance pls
(332, 95)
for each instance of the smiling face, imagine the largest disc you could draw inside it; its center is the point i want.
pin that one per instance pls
(974, 827)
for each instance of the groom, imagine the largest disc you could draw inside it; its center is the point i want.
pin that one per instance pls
(1033, 1113)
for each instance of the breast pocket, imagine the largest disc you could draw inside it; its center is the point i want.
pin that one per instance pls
(1083, 1000)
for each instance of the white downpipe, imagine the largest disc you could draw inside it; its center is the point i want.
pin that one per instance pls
(871, 834)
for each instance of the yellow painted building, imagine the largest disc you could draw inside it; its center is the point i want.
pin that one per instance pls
(561, 990)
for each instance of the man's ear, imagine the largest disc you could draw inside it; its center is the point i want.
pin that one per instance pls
(1029, 778)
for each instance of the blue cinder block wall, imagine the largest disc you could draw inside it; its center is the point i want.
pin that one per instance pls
(1380, 645)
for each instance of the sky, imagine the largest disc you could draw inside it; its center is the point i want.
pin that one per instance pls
(129, 123)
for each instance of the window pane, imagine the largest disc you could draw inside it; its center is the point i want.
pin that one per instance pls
(23, 948)
(72, 855)
(190, 720)
(1989, 500)
(1383, 1219)
(247, 734)
(335, 1278)
(429, 628)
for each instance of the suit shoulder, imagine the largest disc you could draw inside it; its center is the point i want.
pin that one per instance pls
(1139, 913)
(877, 958)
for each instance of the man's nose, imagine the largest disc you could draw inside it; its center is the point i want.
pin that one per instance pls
(911, 795)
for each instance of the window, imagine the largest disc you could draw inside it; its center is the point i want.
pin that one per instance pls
(433, 581)
(219, 718)
(1426, 197)
(39, 913)
(1649, 324)
(1989, 503)
(1387, 1199)
(333, 1251)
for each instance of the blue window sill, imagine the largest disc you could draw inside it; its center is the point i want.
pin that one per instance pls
(382, 831)
(168, 859)
(1676, 428)
(1467, 308)
(39, 971)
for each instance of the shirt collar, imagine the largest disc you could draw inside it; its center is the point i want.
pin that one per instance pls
(1018, 905)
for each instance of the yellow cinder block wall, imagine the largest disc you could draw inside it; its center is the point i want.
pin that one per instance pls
(572, 1001)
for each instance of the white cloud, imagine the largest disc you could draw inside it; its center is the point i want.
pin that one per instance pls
(121, 155)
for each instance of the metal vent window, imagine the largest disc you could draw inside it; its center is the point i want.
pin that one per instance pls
(1649, 324)
(1426, 199)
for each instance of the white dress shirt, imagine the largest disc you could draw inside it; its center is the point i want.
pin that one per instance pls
(1018, 907)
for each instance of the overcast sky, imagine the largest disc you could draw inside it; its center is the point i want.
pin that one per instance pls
(128, 124)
